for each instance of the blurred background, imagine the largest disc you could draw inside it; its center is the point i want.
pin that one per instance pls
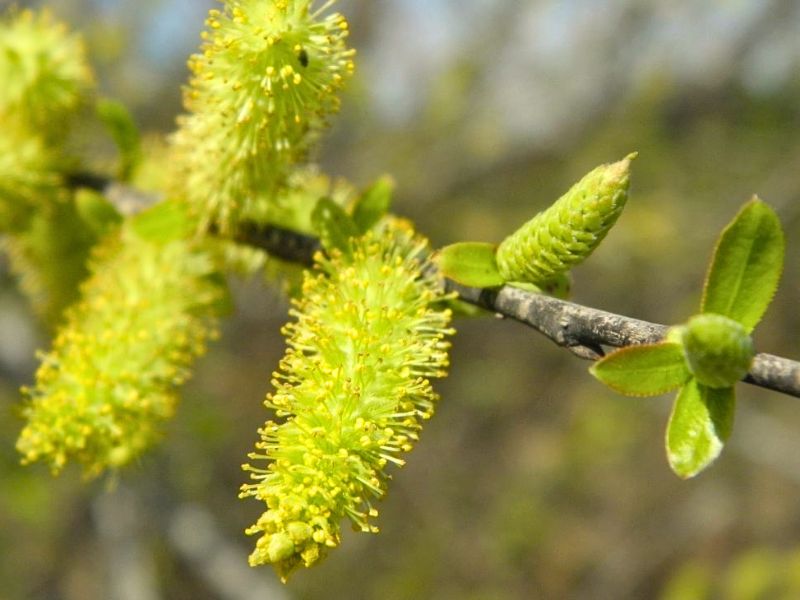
(533, 480)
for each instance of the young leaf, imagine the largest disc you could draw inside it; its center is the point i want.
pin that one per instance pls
(470, 263)
(701, 421)
(647, 370)
(746, 266)
(373, 204)
(121, 127)
(97, 212)
(164, 222)
(333, 225)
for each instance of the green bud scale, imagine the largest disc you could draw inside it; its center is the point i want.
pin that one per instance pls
(262, 87)
(565, 234)
(108, 383)
(718, 350)
(350, 394)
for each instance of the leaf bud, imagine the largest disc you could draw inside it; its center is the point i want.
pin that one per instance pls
(718, 350)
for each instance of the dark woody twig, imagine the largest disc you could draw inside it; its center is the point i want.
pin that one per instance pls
(583, 330)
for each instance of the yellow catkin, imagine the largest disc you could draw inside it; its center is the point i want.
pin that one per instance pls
(108, 383)
(46, 80)
(263, 84)
(350, 396)
(44, 72)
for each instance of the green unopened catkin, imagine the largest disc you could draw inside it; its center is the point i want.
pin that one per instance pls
(263, 84)
(350, 395)
(109, 382)
(565, 234)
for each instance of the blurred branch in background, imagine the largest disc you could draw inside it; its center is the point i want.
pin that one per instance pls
(216, 560)
(130, 569)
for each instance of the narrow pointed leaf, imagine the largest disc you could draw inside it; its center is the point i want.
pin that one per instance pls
(333, 225)
(647, 370)
(373, 204)
(701, 421)
(121, 127)
(470, 263)
(746, 266)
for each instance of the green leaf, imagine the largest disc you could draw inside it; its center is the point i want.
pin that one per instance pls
(97, 212)
(121, 127)
(701, 422)
(746, 266)
(470, 263)
(373, 204)
(647, 370)
(333, 225)
(164, 222)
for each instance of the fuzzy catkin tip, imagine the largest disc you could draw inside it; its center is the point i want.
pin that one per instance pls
(44, 72)
(262, 87)
(350, 396)
(108, 383)
(565, 234)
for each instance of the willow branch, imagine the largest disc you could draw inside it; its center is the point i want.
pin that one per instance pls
(582, 330)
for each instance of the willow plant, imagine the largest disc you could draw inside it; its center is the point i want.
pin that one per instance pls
(134, 296)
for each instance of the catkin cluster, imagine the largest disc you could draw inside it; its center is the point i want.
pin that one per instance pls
(350, 395)
(108, 383)
(28, 175)
(565, 234)
(44, 73)
(262, 86)
(46, 79)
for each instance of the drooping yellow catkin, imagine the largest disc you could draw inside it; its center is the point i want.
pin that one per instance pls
(45, 80)
(108, 383)
(49, 258)
(262, 87)
(350, 395)
(28, 177)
